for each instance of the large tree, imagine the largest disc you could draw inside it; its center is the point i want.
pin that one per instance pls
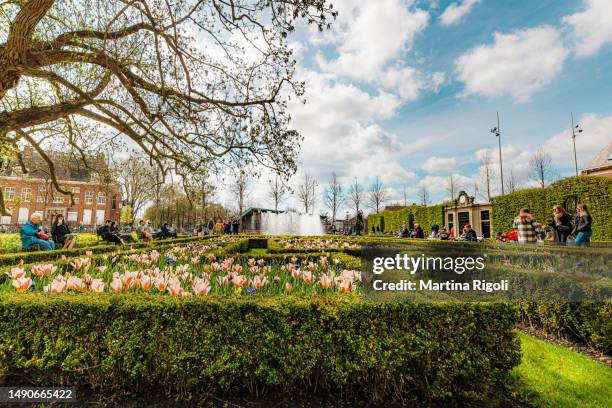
(187, 82)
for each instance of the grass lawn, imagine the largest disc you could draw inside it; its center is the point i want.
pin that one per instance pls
(558, 377)
(12, 243)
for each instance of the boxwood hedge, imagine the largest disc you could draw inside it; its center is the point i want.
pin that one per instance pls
(329, 345)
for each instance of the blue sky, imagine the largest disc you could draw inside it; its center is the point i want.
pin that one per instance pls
(407, 90)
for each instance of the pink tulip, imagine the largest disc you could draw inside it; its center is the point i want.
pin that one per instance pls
(326, 281)
(222, 281)
(201, 287)
(211, 257)
(295, 273)
(96, 285)
(346, 285)
(237, 269)
(146, 282)
(251, 261)
(259, 281)
(308, 277)
(174, 287)
(102, 269)
(74, 283)
(117, 285)
(58, 285)
(22, 284)
(160, 284)
(239, 281)
(130, 280)
(43, 270)
(17, 273)
(288, 287)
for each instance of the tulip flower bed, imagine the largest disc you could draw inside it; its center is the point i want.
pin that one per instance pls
(280, 346)
(184, 271)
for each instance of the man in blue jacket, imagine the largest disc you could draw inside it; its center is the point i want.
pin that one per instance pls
(29, 235)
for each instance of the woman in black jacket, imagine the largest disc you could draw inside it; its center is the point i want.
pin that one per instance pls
(60, 232)
(583, 226)
(561, 225)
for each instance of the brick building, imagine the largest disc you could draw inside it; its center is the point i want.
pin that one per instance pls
(96, 196)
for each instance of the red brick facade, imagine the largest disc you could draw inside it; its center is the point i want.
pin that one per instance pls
(94, 203)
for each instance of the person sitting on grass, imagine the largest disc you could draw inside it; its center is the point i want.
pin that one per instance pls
(33, 234)
(61, 233)
(404, 233)
(443, 234)
(107, 234)
(142, 232)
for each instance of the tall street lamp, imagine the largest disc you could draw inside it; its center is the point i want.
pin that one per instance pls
(497, 132)
(575, 129)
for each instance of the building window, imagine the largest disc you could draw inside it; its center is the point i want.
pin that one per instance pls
(114, 202)
(42, 187)
(75, 190)
(26, 194)
(77, 200)
(40, 199)
(101, 198)
(9, 193)
(71, 216)
(89, 197)
(58, 200)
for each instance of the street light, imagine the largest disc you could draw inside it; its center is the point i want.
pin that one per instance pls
(575, 129)
(497, 132)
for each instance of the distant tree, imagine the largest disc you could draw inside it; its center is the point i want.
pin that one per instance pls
(306, 193)
(356, 195)
(278, 191)
(334, 196)
(511, 183)
(136, 178)
(240, 189)
(378, 195)
(486, 175)
(540, 167)
(405, 195)
(424, 196)
(452, 186)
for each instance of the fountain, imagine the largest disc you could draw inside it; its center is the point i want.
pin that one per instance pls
(291, 223)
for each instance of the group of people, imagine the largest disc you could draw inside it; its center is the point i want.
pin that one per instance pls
(416, 232)
(33, 234)
(468, 233)
(560, 228)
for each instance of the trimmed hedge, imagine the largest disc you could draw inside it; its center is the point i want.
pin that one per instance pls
(596, 192)
(586, 322)
(426, 216)
(13, 259)
(332, 345)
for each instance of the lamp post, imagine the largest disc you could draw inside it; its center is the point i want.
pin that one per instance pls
(575, 128)
(497, 132)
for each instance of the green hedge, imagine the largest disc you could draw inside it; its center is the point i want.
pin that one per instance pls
(426, 216)
(333, 345)
(587, 322)
(596, 192)
(13, 259)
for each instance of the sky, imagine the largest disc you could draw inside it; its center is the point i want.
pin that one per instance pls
(408, 91)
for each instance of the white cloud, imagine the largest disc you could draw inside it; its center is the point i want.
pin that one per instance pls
(440, 165)
(438, 184)
(592, 27)
(519, 63)
(371, 39)
(454, 13)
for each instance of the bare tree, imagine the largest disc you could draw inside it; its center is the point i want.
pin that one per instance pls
(512, 183)
(486, 174)
(540, 167)
(135, 72)
(378, 194)
(452, 186)
(334, 196)
(355, 195)
(405, 195)
(199, 192)
(240, 189)
(424, 196)
(278, 191)
(306, 193)
(137, 182)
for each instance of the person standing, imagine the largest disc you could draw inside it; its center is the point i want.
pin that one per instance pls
(526, 227)
(561, 225)
(583, 226)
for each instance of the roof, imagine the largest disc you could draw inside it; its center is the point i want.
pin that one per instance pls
(603, 158)
(260, 209)
(68, 167)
